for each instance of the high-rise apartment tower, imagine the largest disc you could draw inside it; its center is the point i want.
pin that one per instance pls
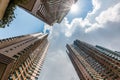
(49, 11)
(94, 62)
(21, 57)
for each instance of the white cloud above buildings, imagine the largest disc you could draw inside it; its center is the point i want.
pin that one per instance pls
(106, 14)
(101, 26)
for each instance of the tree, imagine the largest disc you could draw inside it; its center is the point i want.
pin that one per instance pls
(9, 13)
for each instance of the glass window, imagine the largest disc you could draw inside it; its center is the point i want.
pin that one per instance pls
(16, 56)
(115, 77)
(6, 51)
(18, 71)
(11, 49)
(10, 78)
(21, 77)
(15, 74)
(24, 74)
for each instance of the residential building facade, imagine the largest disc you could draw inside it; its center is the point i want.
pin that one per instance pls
(21, 57)
(49, 11)
(94, 62)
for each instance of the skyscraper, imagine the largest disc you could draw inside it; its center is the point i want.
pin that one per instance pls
(94, 62)
(49, 11)
(21, 57)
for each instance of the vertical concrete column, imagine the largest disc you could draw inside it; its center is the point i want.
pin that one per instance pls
(3, 6)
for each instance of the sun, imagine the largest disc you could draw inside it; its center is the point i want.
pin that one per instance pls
(74, 8)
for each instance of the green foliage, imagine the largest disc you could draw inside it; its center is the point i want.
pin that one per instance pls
(9, 13)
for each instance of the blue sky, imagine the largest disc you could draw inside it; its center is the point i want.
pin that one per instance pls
(96, 22)
(82, 9)
(24, 23)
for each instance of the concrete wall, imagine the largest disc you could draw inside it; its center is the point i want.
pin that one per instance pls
(29, 5)
(3, 6)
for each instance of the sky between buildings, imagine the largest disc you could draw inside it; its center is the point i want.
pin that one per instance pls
(95, 22)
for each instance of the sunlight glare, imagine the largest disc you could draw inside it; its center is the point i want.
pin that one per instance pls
(74, 8)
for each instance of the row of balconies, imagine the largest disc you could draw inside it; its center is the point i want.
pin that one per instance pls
(9, 41)
(29, 63)
(23, 55)
(110, 54)
(91, 50)
(16, 46)
(108, 65)
(26, 71)
(22, 73)
(97, 67)
(94, 75)
(19, 58)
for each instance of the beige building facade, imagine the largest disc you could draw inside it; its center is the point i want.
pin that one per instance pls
(3, 6)
(49, 11)
(21, 57)
(94, 62)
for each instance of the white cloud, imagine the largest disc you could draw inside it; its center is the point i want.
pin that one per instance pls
(104, 21)
(100, 6)
(47, 27)
(59, 65)
(111, 14)
(101, 27)
(96, 6)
